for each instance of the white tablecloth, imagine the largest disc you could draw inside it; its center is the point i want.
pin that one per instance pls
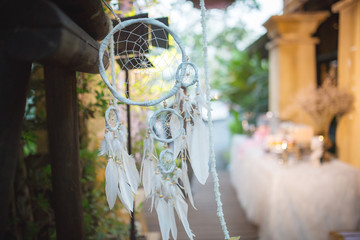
(291, 202)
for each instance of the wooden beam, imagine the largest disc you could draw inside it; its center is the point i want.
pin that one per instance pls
(43, 33)
(13, 89)
(88, 14)
(63, 124)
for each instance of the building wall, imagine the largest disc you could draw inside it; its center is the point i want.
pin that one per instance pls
(348, 130)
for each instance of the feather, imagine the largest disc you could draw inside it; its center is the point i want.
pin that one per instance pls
(126, 196)
(199, 150)
(104, 150)
(179, 143)
(131, 171)
(117, 147)
(109, 142)
(147, 175)
(162, 212)
(185, 179)
(172, 221)
(112, 183)
(200, 99)
(181, 209)
(189, 129)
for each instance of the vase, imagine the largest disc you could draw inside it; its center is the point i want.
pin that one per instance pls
(322, 129)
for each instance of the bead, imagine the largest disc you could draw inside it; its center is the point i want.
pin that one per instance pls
(147, 136)
(165, 145)
(187, 74)
(196, 108)
(158, 191)
(167, 179)
(119, 128)
(110, 156)
(149, 131)
(169, 197)
(107, 130)
(183, 137)
(198, 93)
(186, 99)
(115, 136)
(175, 105)
(198, 113)
(161, 196)
(147, 155)
(157, 172)
(188, 120)
(167, 124)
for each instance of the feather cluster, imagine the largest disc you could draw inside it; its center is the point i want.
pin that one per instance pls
(121, 176)
(161, 176)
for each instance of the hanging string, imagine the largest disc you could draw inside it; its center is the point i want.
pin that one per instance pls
(210, 124)
(112, 60)
(111, 10)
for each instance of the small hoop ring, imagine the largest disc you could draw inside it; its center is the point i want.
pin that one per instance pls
(153, 120)
(160, 164)
(181, 69)
(107, 115)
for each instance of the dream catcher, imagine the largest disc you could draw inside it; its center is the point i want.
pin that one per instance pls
(176, 132)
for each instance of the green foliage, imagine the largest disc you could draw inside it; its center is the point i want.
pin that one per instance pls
(243, 80)
(31, 212)
(100, 222)
(235, 125)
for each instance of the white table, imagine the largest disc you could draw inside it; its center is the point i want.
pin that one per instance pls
(291, 202)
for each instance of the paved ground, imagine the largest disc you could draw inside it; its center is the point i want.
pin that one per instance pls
(204, 221)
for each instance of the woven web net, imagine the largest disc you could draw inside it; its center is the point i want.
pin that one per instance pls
(150, 56)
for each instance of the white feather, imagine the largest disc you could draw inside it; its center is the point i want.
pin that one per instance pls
(181, 210)
(200, 100)
(109, 142)
(189, 129)
(162, 212)
(126, 195)
(186, 182)
(117, 147)
(104, 150)
(199, 150)
(131, 171)
(147, 175)
(179, 142)
(111, 182)
(172, 221)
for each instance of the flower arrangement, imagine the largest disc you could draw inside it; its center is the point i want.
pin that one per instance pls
(323, 104)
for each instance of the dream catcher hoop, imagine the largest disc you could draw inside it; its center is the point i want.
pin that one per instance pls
(180, 128)
(133, 51)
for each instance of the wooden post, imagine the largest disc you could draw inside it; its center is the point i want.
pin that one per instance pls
(62, 120)
(13, 89)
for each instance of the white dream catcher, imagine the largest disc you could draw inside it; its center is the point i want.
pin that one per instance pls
(160, 66)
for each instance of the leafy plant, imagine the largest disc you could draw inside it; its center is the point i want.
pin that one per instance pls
(243, 81)
(31, 211)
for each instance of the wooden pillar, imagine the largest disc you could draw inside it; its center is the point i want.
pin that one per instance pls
(13, 89)
(62, 120)
(292, 59)
(348, 130)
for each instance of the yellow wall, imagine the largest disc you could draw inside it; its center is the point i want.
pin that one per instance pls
(292, 58)
(348, 131)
